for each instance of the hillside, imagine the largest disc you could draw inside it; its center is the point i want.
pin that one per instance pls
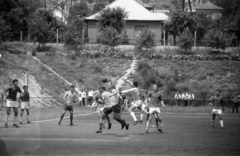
(46, 86)
(202, 78)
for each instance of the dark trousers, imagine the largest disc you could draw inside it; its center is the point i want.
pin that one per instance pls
(235, 105)
(185, 102)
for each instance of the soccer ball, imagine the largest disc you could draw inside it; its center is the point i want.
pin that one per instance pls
(210, 104)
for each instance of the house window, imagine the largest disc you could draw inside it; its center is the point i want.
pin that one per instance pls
(138, 30)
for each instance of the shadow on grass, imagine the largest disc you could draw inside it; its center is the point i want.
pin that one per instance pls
(3, 149)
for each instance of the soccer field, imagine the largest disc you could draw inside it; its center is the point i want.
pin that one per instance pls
(184, 134)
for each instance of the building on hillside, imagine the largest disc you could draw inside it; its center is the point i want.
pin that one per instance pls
(138, 18)
(210, 9)
(61, 14)
(205, 7)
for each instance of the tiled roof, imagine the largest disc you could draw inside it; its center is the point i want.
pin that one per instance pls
(209, 6)
(136, 12)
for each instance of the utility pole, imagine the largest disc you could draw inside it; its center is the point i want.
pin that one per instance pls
(45, 5)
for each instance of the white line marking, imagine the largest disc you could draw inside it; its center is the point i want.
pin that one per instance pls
(64, 117)
(63, 139)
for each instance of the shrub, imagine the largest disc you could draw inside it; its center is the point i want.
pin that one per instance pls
(186, 40)
(109, 37)
(146, 40)
(216, 39)
(124, 38)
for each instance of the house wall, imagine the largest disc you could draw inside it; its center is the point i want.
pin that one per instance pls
(155, 27)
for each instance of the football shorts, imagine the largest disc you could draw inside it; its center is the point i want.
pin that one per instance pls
(217, 111)
(154, 110)
(12, 103)
(24, 105)
(137, 103)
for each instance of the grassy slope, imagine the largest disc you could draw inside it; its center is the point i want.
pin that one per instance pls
(86, 72)
(199, 77)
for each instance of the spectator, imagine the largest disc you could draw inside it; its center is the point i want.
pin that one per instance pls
(185, 98)
(90, 97)
(234, 40)
(191, 98)
(235, 100)
(80, 99)
(84, 98)
(178, 98)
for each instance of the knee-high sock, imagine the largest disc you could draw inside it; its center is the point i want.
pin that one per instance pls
(156, 120)
(221, 123)
(100, 126)
(108, 119)
(148, 116)
(124, 122)
(147, 124)
(212, 122)
(71, 118)
(141, 117)
(6, 118)
(133, 116)
(61, 117)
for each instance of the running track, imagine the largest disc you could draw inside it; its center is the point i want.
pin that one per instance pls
(184, 134)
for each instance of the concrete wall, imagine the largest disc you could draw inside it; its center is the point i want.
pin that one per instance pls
(155, 27)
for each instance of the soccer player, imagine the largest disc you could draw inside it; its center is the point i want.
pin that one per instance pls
(106, 101)
(12, 102)
(70, 97)
(116, 108)
(217, 107)
(136, 99)
(25, 99)
(154, 107)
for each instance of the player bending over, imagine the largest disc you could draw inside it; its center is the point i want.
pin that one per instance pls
(217, 107)
(136, 103)
(12, 102)
(25, 99)
(106, 101)
(154, 107)
(70, 97)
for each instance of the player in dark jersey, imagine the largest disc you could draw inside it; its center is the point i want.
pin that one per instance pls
(116, 108)
(217, 107)
(12, 101)
(25, 99)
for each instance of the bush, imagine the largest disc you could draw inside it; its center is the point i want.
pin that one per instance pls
(109, 37)
(124, 38)
(186, 40)
(216, 39)
(146, 40)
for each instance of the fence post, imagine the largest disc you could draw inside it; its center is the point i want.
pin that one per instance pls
(164, 38)
(195, 39)
(57, 36)
(21, 36)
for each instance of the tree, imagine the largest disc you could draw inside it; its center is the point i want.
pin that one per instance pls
(112, 17)
(79, 9)
(186, 40)
(42, 25)
(16, 14)
(5, 33)
(74, 32)
(109, 37)
(216, 38)
(146, 40)
(98, 6)
(179, 21)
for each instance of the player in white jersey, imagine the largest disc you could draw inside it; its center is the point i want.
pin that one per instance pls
(136, 103)
(154, 106)
(70, 97)
(106, 101)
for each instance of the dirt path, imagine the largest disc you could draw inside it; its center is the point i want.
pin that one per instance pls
(128, 72)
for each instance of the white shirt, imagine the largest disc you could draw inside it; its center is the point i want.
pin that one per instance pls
(191, 96)
(83, 94)
(178, 96)
(90, 93)
(70, 97)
